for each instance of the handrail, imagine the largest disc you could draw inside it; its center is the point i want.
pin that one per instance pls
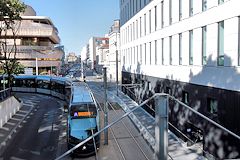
(109, 125)
(204, 117)
(199, 114)
(143, 103)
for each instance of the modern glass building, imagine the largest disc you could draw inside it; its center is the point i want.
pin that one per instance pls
(191, 50)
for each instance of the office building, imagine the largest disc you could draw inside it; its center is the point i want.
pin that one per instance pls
(190, 50)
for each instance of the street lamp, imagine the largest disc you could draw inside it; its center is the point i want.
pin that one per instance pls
(116, 64)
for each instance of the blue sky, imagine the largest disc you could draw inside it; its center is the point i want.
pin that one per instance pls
(78, 20)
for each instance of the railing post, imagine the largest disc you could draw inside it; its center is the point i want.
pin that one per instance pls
(105, 106)
(161, 128)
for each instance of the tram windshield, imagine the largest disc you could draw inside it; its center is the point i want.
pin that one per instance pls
(83, 111)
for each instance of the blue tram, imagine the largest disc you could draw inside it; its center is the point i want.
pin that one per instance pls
(59, 87)
(83, 120)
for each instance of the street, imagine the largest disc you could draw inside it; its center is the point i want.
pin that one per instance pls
(39, 133)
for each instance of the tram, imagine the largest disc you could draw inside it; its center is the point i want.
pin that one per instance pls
(83, 120)
(59, 87)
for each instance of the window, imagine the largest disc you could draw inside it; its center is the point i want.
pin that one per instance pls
(155, 8)
(212, 106)
(220, 1)
(180, 10)
(144, 24)
(221, 43)
(136, 29)
(140, 26)
(170, 12)
(190, 47)
(168, 90)
(190, 8)
(137, 53)
(162, 51)
(134, 56)
(204, 5)
(150, 52)
(180, 48)
(145, 48)
(155, 52)
(204, 45)
(239, 41)
(170, 50)
(150, 21)
(185, 97)
(162, 6)
(140, 54)
(133, 30)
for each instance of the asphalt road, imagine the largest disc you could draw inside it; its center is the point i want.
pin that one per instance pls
(39, 134)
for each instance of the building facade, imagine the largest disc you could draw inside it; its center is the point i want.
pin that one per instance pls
(191, 50)
(95, 42)
(37, 43)
(114, 43)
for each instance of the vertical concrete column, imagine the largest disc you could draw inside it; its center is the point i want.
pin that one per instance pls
(105, 106)
(161, 128)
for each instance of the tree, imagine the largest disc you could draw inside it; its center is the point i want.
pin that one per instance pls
(10, 21)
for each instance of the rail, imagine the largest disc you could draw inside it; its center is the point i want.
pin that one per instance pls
(108, 126)
(187, 107)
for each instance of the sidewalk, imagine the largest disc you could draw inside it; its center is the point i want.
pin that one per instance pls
(145, 123)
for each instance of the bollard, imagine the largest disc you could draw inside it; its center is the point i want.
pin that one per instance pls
(161, 127)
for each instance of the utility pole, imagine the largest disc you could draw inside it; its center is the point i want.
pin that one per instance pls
(105, 106)
(117, 69)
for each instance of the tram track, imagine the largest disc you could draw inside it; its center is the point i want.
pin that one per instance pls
(125, 126)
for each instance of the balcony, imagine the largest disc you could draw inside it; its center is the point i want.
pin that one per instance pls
(38, 30)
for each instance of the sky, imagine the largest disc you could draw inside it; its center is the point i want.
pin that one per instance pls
(78, 20)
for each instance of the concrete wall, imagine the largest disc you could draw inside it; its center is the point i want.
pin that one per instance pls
(8, 108)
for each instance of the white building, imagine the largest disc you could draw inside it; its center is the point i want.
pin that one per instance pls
(93, 43)
(114, 43)
(191, 50)
(84, 55)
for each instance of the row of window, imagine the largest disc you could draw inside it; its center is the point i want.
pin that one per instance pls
(139, 27)
(148, 53)
(131, 7)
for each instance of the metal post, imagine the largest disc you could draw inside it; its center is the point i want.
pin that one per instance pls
(105, 106)
(117, 69)
(161, 128)
(36, 66)
(82, 69)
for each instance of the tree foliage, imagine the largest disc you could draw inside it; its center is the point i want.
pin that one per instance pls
(10, 19)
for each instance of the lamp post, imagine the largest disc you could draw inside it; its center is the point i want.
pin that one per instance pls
(116, 64)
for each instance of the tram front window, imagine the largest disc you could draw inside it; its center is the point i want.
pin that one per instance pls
(83, 111)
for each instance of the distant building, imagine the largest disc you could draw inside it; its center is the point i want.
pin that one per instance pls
(71, 57)
(36, 40)
(95, 42)
(114, 45)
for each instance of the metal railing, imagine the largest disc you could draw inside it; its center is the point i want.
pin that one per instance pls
(128, 87)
